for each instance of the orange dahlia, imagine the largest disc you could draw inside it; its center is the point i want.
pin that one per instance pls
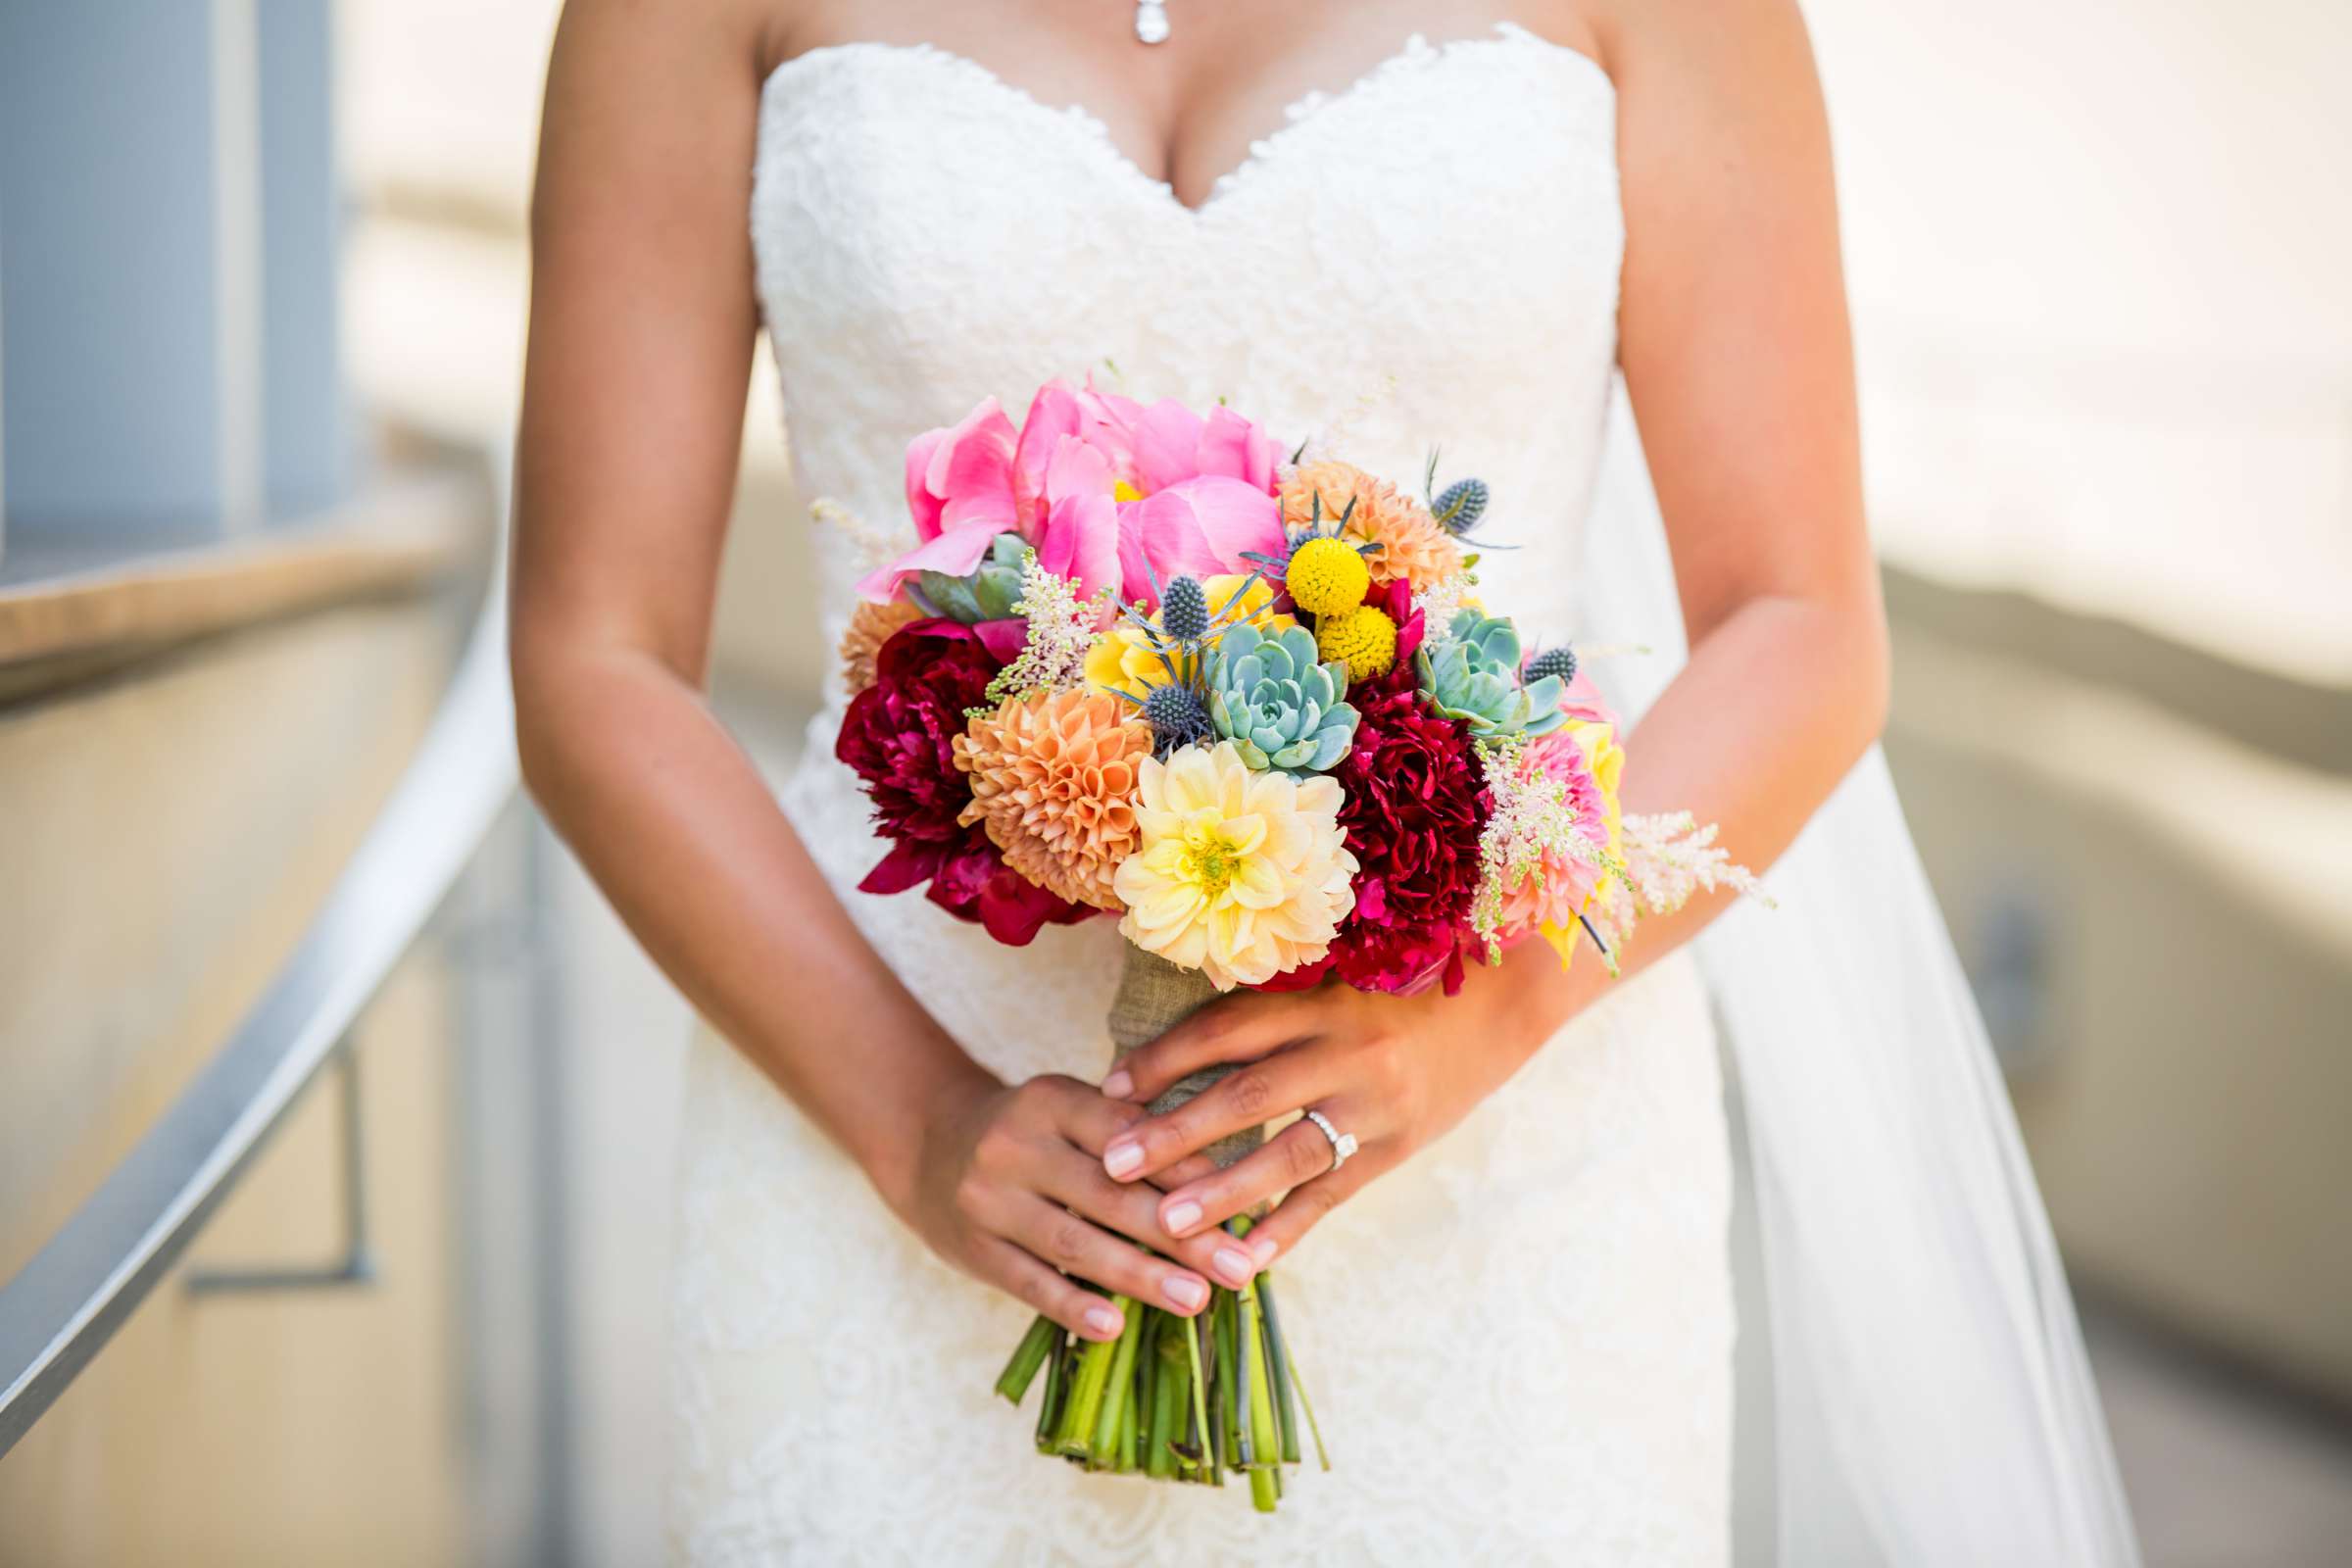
(1415, 547)
(1053, 779)
(870, 626)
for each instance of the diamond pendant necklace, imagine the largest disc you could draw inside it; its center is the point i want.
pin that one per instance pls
(1150, 21)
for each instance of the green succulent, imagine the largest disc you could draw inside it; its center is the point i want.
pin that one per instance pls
(1472, 673)
(1280, 706)
(988, 593)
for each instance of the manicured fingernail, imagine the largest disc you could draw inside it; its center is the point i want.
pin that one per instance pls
(1180, 1218)
(1263, 1251)
(1233, 1266)
(1123, 1157)
(1102, 1322)
(1186, 1291)
(1119, 1085)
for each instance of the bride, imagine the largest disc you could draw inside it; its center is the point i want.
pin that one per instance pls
(1462, 223)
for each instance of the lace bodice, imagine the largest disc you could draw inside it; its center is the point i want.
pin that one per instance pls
(1428, 257)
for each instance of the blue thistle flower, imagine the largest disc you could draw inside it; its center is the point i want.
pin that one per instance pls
(1184, 611)
(1555, 662)
(1177, 717)
(1460, 505)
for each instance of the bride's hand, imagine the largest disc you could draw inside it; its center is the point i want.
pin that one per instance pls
(1394, 1072)
(1009, 1186)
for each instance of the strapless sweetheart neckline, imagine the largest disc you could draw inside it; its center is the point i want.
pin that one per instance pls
(1296, 115)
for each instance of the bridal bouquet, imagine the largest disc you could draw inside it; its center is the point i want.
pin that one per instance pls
(1138, 666)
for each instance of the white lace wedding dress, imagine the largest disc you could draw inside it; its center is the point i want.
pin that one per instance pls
(1519, 1346)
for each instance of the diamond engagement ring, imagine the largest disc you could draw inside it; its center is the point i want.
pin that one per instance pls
(1343, 1143)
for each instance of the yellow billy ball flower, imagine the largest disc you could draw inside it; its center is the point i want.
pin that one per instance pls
(1327, 577)
(1364, 640)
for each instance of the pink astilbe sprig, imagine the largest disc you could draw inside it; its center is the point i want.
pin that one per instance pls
(1061, 622)
(1671, 858)
(1540, 826)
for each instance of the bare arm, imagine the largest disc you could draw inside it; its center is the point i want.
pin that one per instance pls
(1737, 355)
(642, 326)
(1740, 364)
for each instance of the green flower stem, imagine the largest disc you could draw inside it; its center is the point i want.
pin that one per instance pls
(1169, 1394)
(1213, 1347)
(1027, 1358)
(1058, 1384)
(1087, 1389)
(1204, 1459)
(1315, 1429)
(1278, 1360)
(1133, 1423)
(1229, 1428)
(1249, 1375)
(1265, 1442)
(1174, 1398)
(1104, 1450)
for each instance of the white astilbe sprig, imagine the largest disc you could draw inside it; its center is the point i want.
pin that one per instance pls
(1533, 818)
(1669, 858)
(1440, 603)
(1061, 632)
(872, 546)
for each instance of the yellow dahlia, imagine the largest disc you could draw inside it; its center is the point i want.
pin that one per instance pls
(1413, 547)
(1054, 776)
(1239, 875)
(1123, 660)
(870, 626)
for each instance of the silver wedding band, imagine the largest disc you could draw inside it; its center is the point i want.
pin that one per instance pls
(1343, 1143)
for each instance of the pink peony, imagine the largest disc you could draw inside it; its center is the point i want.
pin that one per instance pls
(1112, 492)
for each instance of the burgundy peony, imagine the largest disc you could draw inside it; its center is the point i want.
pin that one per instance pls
(899, 738)
(1413, 814)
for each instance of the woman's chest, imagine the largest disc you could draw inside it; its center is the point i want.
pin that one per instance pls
(1450, 219)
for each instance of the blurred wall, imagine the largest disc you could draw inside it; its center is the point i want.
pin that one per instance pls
(167, 269)
(191, 814)
(2097, 258)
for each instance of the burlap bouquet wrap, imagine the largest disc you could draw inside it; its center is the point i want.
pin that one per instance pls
(1154, 997)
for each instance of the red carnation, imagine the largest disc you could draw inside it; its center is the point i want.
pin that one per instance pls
(899, 738)
(1413, 812)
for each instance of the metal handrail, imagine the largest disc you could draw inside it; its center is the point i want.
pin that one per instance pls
(63, 1305)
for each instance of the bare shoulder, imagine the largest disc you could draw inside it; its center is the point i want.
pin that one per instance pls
(653, 43)
(649, 98)
(1739, 52)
